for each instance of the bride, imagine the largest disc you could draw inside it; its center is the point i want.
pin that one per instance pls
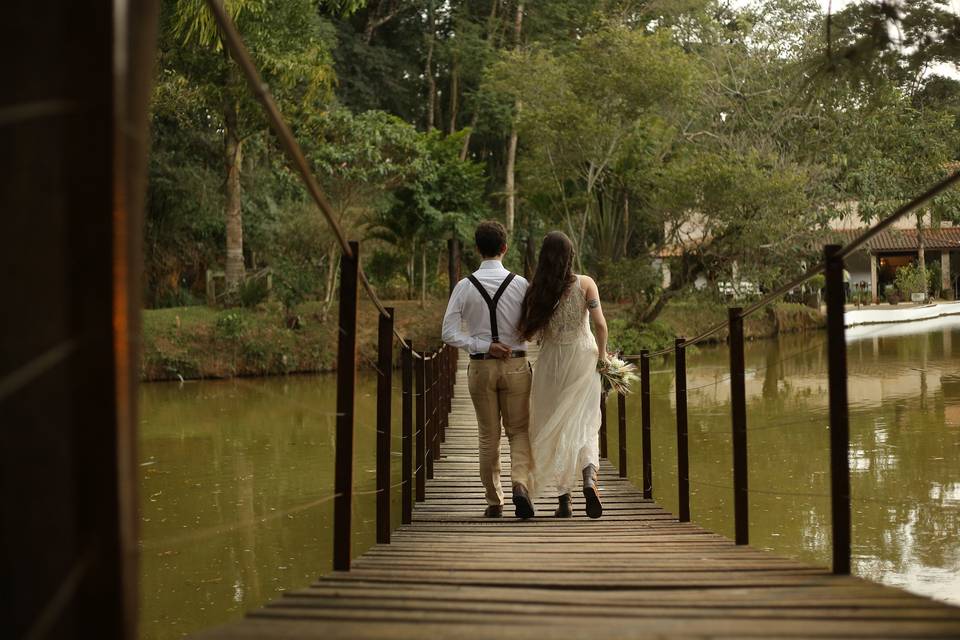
(565, 391)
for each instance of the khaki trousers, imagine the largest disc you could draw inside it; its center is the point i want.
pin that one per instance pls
(500, 390)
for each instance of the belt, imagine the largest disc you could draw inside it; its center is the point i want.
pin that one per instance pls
(487, 356)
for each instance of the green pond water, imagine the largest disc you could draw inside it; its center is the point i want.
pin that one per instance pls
(236, 475)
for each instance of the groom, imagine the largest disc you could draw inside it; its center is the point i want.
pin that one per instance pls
(482, 318)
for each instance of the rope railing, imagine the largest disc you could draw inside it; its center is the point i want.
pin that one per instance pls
(836, 420)
(432, 367)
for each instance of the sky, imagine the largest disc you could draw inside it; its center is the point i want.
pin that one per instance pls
(942, 69)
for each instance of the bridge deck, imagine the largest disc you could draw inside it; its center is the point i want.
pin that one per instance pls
(636, 573)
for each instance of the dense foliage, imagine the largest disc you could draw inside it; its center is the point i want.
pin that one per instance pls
(714, 138)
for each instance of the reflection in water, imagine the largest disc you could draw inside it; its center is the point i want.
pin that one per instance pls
(234, 477)
(904, 389)
(234, 474)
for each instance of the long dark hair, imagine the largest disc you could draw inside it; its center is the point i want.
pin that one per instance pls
(553, 277)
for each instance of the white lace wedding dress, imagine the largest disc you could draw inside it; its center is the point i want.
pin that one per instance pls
(565, 397)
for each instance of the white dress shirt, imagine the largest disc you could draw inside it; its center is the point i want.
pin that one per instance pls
(466, 324)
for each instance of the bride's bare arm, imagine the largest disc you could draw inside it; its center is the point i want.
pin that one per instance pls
(596, 314)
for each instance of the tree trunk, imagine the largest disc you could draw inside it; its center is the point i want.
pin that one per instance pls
(411, 272)
(626, 223)
(377, 17)
(428, 69)
(423, 276)
(465, 149)
(333, 262)
(653, 311)
(454, 95)
(233, 156)
(530, 258)
(510, 186)
(491, 24)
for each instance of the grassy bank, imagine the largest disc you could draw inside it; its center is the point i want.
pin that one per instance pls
(198, 342)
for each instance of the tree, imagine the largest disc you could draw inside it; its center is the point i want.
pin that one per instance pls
(586, 110)
(445, 197)
(286, 40)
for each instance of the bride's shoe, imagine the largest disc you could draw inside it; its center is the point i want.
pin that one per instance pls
(564, 510)
(591, 493)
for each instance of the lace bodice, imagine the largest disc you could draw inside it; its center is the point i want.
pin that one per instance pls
(569, 322)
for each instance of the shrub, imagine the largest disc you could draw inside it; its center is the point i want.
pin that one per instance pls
(253, 291)
(912, 278)
(230, 325)
(632, 338)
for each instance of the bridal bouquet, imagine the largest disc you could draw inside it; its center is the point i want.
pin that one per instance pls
(616, 374)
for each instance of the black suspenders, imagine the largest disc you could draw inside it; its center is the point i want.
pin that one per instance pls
(492, 302)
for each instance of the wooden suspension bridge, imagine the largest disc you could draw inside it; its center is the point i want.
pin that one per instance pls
(638, 572)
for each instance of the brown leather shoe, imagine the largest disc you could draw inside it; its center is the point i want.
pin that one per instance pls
(493, 511)
(521, 500)
(564, 510)
(591, 492)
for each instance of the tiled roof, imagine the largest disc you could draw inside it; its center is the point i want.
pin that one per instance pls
(906, 239)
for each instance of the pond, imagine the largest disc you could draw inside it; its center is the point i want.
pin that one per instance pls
(236, 476)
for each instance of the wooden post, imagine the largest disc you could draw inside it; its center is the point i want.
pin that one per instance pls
(622, 432)
(839, 416)
(603, 424)
(453, 262)
(421, 433)
(683, 456)
(437, 410)
(346, 381)
(431, 413)
(645, 424)
(445, 389)
(211, 290)
(384, 417)
(406, 416)
(738, 408)
(454, 367)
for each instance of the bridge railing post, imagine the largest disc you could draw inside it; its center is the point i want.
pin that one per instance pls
(384, 418)
(437, 412)
(839, 411)
(430, 420)
(346, 381)
(421, 419)
(437, 408)
(738, 409)
(645, 424)
(442, 394)
(622, 433)
(449, 377)
(406, 416)
(683, 456)
(603, 424)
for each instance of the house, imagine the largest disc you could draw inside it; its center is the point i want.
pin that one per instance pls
(875, 264)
